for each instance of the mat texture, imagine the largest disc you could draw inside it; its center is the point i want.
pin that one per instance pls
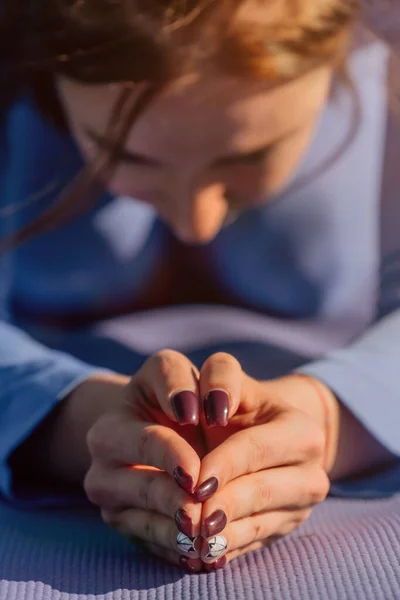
(348, 550)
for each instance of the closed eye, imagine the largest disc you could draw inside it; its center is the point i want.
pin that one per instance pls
(251, 158)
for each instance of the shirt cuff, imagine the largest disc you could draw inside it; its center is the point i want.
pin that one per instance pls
(23, 407)
(375, 405)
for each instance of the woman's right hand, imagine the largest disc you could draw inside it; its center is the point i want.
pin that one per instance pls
(145, 465)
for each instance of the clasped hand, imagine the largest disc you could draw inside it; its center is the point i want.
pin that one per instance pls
(202, 467)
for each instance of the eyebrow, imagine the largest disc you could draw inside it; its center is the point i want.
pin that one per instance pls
(134, 158)
(122, 154)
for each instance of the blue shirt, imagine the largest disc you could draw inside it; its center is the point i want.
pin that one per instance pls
(322, 260)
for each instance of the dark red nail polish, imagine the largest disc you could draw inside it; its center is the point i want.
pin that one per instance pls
(214, 524)
(206, 490)
(198, 544)
(184, 480)
(216, 408)
(215, 566)
(184, 523)
(186, 564)
(186, 408)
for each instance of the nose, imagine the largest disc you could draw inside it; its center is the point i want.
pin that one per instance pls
(198, 218)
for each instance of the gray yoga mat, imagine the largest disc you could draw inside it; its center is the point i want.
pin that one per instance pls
(349, 549)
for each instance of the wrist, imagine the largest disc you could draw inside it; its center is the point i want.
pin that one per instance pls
(358, 450)
(57, 450)
(98, 394)
(313, 397)
(80, 410)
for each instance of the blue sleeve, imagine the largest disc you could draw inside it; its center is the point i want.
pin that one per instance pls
(365, 378)
(366, 375)
(33, 378)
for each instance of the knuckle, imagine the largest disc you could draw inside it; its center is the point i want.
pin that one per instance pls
(257, 452)
(144, 496)
(97, 491)
(320, 489)
(301, 518)
(97, 440)
(148, 492)
(296, 520)
(264, 496)
(149, 531)
(93, 440)
(110, 518)
(165, 361)
(92, 488)
(314, 442)
(145, 444)
(223, 360)
(260, 531)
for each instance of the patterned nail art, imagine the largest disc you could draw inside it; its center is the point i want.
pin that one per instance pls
(217, 545)
(185, 543)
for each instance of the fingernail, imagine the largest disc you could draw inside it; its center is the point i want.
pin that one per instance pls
(214, 524)
(186, 564)
(184, 523)
(215, 566)
(186, 408)
(191, 545)
(206, 490)
(184, 480)
(214, 547)
(216, 408)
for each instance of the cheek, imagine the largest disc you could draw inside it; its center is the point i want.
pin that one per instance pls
(286, 158)
(246, 184)
(251, 185)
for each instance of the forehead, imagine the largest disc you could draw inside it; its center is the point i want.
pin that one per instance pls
(207, 110)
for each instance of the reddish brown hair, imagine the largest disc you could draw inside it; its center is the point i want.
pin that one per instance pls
(152, 42)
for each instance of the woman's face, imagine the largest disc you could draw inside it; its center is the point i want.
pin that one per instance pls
(204, 147)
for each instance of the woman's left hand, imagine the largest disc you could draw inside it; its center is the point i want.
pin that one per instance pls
(265, 468)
